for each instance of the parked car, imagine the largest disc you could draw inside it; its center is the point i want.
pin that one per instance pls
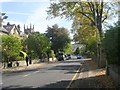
(68, 57)
(79, 57)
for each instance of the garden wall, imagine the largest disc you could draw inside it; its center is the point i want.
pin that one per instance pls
(114, 72)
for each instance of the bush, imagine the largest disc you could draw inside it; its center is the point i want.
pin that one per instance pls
(11, 46)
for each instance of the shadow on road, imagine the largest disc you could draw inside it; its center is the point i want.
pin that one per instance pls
(53, 86)
(69, 68)
(84, 83)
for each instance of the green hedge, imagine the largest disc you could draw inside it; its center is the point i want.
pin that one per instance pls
(110, 44)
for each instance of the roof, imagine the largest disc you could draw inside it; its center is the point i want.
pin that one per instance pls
(3, 30)
(9, 27)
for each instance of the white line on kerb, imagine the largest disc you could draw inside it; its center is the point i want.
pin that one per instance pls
(73, 78)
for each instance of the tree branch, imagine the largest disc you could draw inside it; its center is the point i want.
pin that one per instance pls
(88, 17)
(104, 18)
(106, 15)
(91, 5)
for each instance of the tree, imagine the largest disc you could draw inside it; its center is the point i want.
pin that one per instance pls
(11, 47)
(38, 43)
(59, 38)
(83, 29)
(77, 51)
(68, 49)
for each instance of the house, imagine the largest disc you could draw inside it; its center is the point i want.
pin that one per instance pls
(12, 29)
(76, 45)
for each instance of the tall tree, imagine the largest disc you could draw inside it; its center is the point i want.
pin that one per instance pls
(38, 43)
(59, 37)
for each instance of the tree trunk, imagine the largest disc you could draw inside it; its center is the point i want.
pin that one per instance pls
(99, 53)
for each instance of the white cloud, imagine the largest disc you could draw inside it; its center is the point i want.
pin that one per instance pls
(7, 0)
(38, 18)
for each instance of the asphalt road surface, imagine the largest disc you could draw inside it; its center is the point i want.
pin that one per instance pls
(54, 75)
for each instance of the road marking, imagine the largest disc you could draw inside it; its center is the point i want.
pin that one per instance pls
(26, 75)
(73, 78)
(36, 71)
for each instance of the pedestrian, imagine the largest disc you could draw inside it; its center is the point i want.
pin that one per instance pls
(27, 59)
(25, 56)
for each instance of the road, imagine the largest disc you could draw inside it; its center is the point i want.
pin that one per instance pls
(54, 75)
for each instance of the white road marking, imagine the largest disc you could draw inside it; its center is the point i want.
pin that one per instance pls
(73, 78)
(26, 75)
(30, 74)
(36, 71)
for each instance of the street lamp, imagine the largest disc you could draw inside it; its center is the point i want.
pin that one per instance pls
(2, 17)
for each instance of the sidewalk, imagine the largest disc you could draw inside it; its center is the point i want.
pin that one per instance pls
(22, 68)
(91, 77)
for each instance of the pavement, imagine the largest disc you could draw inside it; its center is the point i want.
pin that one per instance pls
(92, 77)
(22, 68)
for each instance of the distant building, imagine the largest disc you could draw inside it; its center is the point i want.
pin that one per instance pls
(29, 30)
(75, 46)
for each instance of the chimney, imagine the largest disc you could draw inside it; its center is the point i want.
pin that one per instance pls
(8, 23)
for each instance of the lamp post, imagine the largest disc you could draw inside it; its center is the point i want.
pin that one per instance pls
(2, 17)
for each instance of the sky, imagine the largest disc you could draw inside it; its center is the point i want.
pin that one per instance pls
(21, 12)
(32, 12)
